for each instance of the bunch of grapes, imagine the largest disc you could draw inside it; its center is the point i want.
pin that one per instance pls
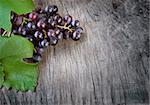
(44, 27)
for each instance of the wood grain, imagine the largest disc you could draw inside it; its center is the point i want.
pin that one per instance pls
(108, 66)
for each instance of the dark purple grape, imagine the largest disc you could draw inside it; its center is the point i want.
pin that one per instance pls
(29, 25)
(51, 9)
(39, 35)
(43, 43)
(33, 26)
(79, 29)
(58, 18)
(53, 40)
(60, 35)
(47, 8)
(33, 16)
(41, 23)
(68, 19)
(28, 30)
(51, 33)
(55, 9)
(51, 22)
(77, 34)
(75, 23)
(57, 31)
(36, 34)
(46, 44)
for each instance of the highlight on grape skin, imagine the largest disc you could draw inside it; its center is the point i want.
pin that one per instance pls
(44, 27)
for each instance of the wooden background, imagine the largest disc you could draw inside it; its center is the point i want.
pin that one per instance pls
(108, 66)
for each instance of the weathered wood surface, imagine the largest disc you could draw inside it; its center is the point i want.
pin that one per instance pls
(108, 66)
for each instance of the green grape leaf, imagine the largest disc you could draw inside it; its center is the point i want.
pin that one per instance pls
(14, 71)
(19, 74)
(15, 46)
(18, 6)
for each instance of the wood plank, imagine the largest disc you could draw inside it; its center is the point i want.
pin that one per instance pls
(108, 66)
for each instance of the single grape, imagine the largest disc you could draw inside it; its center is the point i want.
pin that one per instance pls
(38, 34)
(33, 16)
(29, 25)
(79, 29)
(75, 23)
(51, 22)
(76, 36)
(51, 9)
(58, 18)
(46, 44)
(55, 16)
(57, 31)
(43, 43)
(33, 26)
(60, 35)
(53, 40)
(51, 33)
(55, 9)
(28, 30)
(46, 8)
(68, 19)
(41, 23)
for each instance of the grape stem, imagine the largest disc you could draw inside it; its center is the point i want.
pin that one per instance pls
(35, 50)
(65, 27)
(45, 35)
(25, 21)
